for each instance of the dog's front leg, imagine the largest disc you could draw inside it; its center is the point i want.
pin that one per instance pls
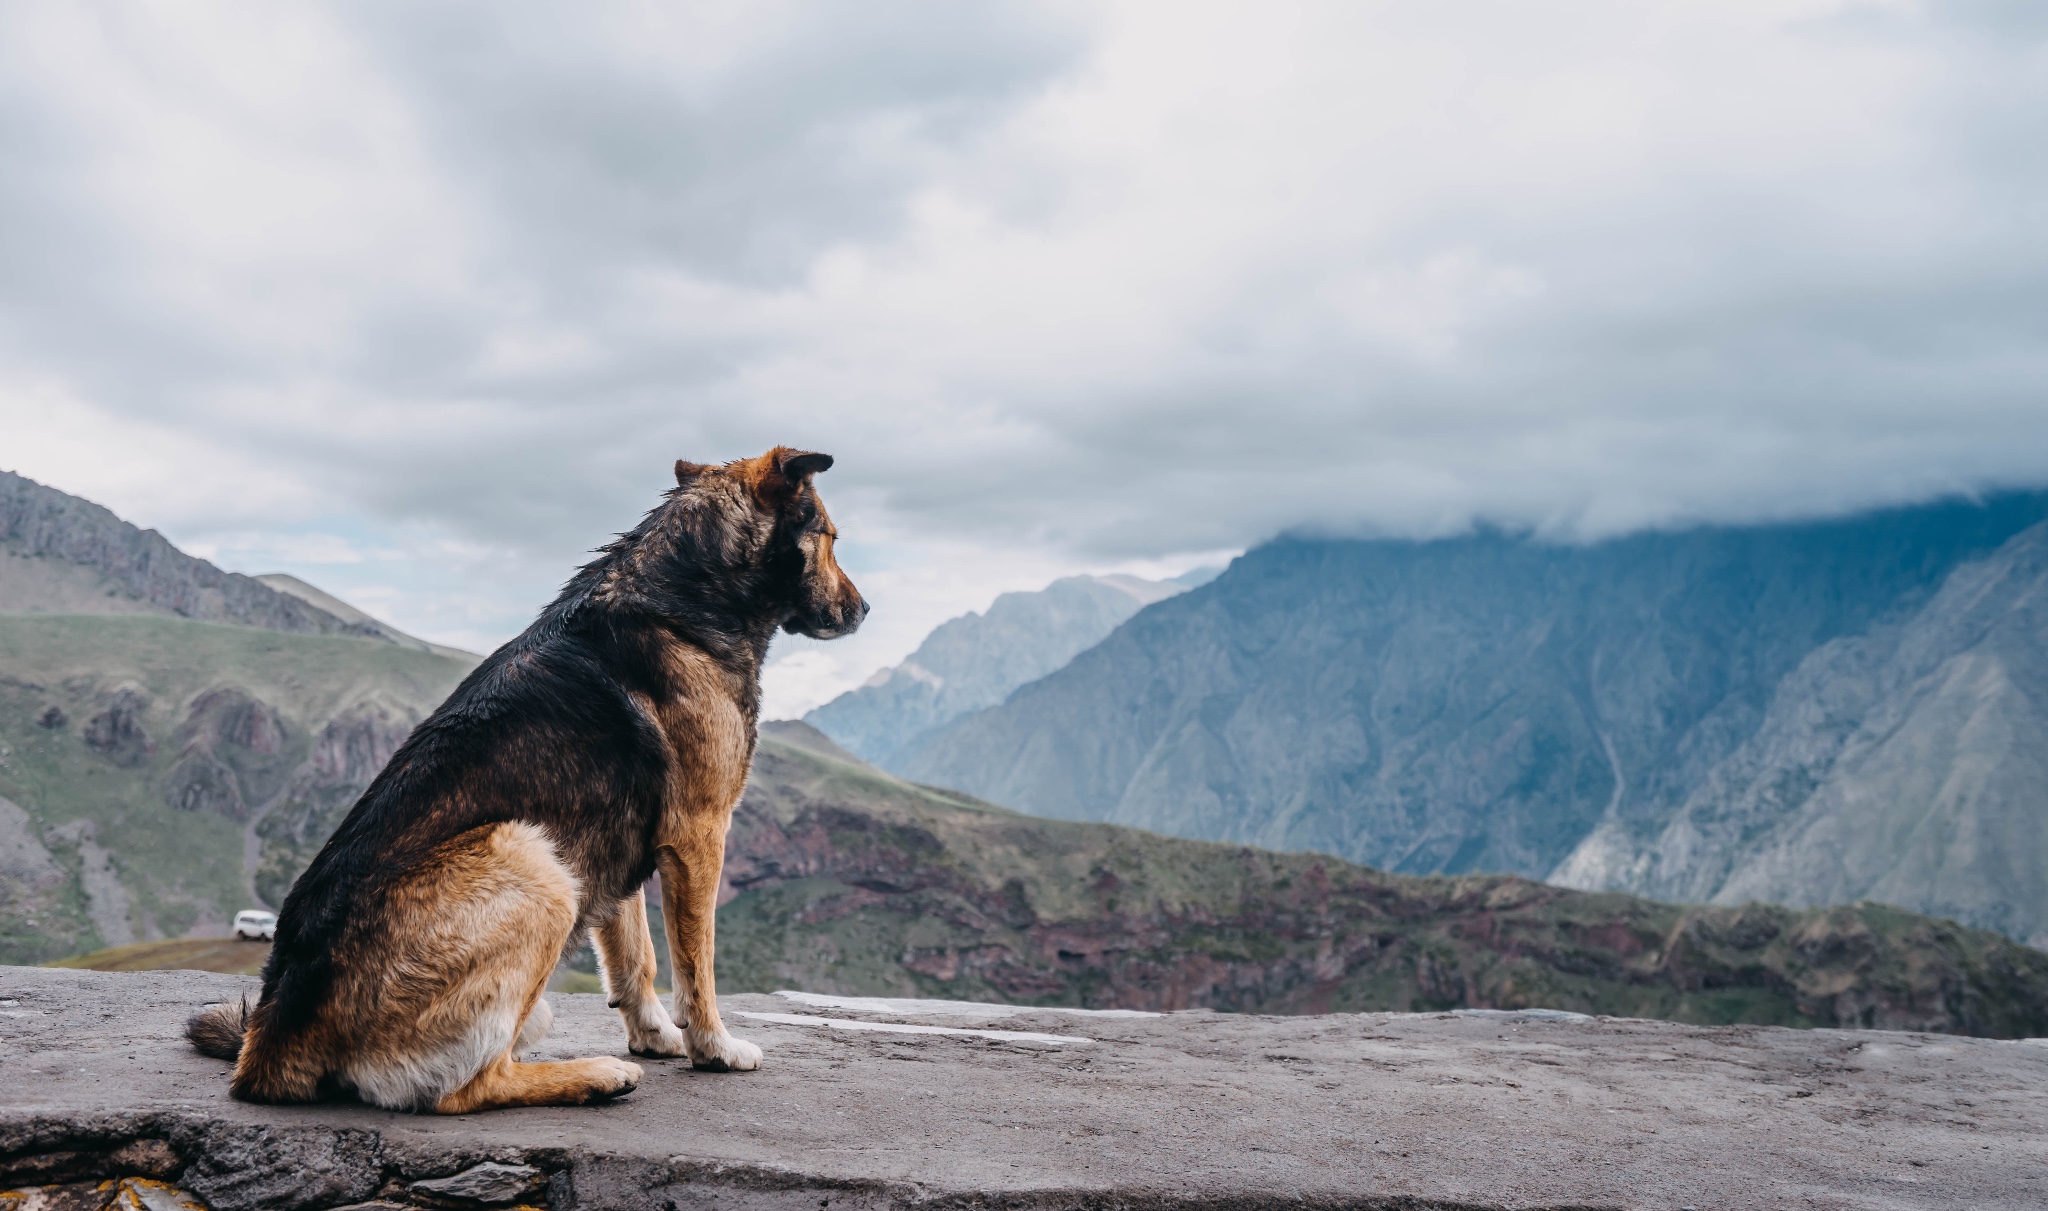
(690, 870)
(625, 952)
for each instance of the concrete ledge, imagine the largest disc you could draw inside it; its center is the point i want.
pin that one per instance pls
(1200, 1109)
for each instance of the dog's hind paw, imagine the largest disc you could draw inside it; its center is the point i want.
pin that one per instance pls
(651, 1032)
(614, 1078)
(723, 1053)
(662, 1042)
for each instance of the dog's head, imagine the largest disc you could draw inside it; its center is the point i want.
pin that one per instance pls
(772, 521)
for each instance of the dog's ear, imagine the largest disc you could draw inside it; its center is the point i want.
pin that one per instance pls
(780, 474)
(687, 471)
(799, 465)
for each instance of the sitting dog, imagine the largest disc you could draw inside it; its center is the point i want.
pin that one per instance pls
(609, 740)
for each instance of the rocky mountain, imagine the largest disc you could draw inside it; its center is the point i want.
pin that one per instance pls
(1810, 713)
(174, 739)
(976, 660)
(1907, 764)
(60, 554)
(840, 878)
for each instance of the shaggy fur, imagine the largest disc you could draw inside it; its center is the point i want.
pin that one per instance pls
(609, 740)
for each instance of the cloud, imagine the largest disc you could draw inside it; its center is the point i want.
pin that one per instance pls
(1061, 286)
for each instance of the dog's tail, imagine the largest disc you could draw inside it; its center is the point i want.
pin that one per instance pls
(217, 1029)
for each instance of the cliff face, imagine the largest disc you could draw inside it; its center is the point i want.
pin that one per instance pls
(1907, 764)
(1617, 715)
(346, 756)
(61, 554)
(842, 879)
(975, 661)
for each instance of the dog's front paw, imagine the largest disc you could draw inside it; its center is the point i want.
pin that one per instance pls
(723, 1053)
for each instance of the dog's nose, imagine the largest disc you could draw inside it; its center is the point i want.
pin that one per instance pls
(864, 607)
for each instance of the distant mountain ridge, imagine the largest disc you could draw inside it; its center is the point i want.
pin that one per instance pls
(1809, 713)
(323, 600)
(976, 660)
(65, 555)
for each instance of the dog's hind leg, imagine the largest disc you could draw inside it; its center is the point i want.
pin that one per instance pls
(625, 952)
(460, 964)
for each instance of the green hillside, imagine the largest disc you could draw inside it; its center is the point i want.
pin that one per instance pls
(150, 765)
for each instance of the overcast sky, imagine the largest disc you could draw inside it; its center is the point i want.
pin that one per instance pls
(420, 302)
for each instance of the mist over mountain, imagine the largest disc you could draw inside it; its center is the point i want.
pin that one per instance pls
(976, 660)
(1807, 713)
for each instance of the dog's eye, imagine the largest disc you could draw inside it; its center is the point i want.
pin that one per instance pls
(805, 515)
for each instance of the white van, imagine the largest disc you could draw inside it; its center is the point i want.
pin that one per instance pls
(254, 925)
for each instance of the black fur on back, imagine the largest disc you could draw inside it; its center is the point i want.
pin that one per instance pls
(543, 731)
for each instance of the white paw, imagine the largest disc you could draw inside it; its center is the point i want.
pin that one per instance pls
(649, 1032)
(723, 1053)
(662, 1041)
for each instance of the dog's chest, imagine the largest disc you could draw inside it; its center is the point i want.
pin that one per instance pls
(709, 735)
(709, 754)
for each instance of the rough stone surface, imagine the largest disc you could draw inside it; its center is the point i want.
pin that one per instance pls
(488, 1185)
(142, 1194)
(1369, 1110)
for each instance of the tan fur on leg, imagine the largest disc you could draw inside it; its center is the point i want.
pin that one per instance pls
(505, 1082)
(690, 873)
(625, 955)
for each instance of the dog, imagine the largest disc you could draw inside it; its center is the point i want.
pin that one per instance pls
(611, 739)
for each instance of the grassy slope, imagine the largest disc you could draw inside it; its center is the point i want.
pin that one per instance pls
(180, 869)
(228, 955)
